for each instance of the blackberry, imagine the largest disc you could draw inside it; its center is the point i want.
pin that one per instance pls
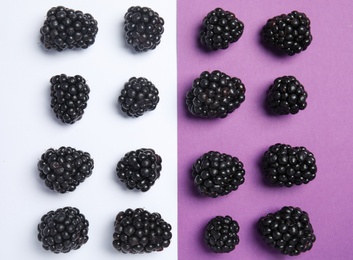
(217, 174)
(138, 96)
(215, 95)
(288, 230)
(139, 231)
(65, 28)
(143, 28)
(69, 96)
(289, 33)
(139, 169)
(64, 169)
(286, 96)
(219, 29)
(63, 230)
(287, 166)
(221, 234)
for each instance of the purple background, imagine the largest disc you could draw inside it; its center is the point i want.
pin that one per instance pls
(325, 127)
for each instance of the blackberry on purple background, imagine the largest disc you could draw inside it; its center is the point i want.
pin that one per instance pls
(69, 96)
(139, 231)
(288, 230)
(221, 234)
(284, 165)
(289, 33)
(63, 230)
(217, 174)
(215, 95)
(139, 169)
(219, 29)
(138, 96)
(63, 169)
(286, 96)
(66, 28)
(143, 28)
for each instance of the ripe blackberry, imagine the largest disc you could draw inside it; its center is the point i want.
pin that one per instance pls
(215, 95)
(285, 165)
(63, 230)
(217, 174)
(69, 96)
(138, 96)
(219, 29)
(221, 234)
(65, 28)
(287, 230)
(143, 28)
(289, 33)
(139, 231)
(65, 168)
(286, 96)
(139, 169)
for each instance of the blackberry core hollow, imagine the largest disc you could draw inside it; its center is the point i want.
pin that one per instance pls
(63, 169)
(219, 29)
(288, 230)
(66, 28)
(143, 28)
(217, 174)
(139, 231)
(284, 165)
(139, 169)
(69, 97)
(221, 234)
(63, 230)
(289, 33)
(215, 95)
(138, 96)
(286, 96)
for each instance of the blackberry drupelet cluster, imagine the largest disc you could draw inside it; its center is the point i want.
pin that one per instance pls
(69, 96)
(63, 230)
(143, 28)
(219, 29)
(65, 168)
(286, 96)
(138, 96)
(289, 33)
(288, 230)
(217, 174)
(139, 231)
(287, 166)
(139, 169)
(65, 28)
(215, 95)
(221, 234)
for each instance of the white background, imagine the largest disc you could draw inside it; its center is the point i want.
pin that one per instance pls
(29, 128)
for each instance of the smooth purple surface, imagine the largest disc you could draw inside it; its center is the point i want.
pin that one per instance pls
(324, 127)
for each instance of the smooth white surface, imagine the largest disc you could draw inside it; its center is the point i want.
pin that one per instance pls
(29, 128)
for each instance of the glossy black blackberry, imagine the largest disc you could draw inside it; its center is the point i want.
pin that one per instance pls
(287, 166)
(139, 169)
(215, 95)
(219, 29)
(221, 234)
(62, 170)
(143, 28)
(69, 96)
(65, 28)
(289, 33)
(139, 231)
(288, 230)
(138, 96)
(217, 174)
(63, 230)
(286, 96)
